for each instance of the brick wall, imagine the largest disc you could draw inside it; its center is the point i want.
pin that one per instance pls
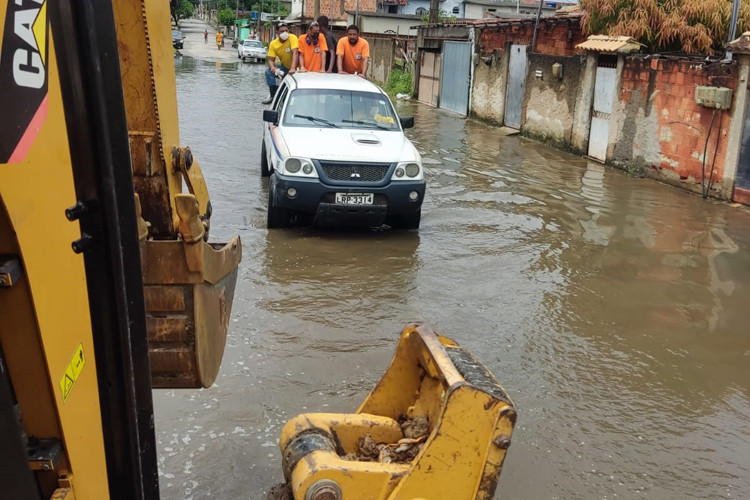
(660, 128)
(339, 8)
(554, 38)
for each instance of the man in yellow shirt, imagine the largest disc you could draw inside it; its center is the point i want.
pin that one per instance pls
(353, 53)
(285, 46)
(313, 49)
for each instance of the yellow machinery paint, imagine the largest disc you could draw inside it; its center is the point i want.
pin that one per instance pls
(189, 283)
(46, 339)
(49, 303)
(470, 418)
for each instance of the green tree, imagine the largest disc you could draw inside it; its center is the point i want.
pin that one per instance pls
(180, 9)
(226, 17)
(690, 26)
(442, 17)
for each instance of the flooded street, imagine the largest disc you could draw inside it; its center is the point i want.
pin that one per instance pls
(613, 310)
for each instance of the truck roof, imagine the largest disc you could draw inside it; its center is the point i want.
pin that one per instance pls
(334, 81)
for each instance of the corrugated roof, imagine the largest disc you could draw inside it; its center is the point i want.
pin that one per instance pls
(605, 43)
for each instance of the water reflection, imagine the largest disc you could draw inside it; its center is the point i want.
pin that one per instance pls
(636, 342)
(320, 273)
(612, 309)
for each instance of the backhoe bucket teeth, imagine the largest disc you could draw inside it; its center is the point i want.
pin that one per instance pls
(188, 289)
(437, 425)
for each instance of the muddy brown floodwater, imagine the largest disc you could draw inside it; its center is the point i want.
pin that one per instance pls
(614, 311)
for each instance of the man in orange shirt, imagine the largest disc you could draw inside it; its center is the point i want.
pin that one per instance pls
(312, 50)
(353, 53)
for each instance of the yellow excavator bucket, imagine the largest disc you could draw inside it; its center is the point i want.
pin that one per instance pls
(188, 282)
(436, 426)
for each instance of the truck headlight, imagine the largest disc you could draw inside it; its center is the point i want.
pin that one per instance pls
(300, 167)
(293, 165)
(412, 170)
(408, 171)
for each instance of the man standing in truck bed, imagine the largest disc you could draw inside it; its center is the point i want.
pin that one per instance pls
(325, 28)
(353, 53)
(285, 47)
(313, 49)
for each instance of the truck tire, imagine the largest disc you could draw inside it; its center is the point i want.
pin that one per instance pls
(264, 170)
(277, 217)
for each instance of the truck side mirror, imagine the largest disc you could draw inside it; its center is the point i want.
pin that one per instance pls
(407, 121)
(272, 116)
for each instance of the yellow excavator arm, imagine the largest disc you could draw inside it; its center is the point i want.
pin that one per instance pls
(189, 284)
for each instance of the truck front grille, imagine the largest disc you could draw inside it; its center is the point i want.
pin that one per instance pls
(355, 172)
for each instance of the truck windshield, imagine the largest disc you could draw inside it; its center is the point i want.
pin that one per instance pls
(339, 108)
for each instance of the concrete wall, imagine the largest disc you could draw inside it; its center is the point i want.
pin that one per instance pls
(413, 5)
(381, 59)
(388, 52)
(661, 131)
(488, 89)
(656, 128)
(549, 106)
(393, 25)
(481, 11)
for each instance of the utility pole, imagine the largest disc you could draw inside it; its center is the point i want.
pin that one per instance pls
(434, 11)
(317, 8)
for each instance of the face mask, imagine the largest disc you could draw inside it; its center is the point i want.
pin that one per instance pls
(284, 36)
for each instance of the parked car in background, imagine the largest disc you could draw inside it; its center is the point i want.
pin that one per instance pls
(336, 154)
(252, 49)
(177, 39)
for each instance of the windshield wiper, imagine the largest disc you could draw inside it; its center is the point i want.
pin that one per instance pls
(371, 123)
(316, 120)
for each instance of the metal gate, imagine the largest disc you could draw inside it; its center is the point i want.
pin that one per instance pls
(604, 96)
(454, 80)
(742, 183)
(516, 86)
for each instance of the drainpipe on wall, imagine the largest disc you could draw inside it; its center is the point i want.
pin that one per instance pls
(732, 27)
(472, 39)
(536, 25)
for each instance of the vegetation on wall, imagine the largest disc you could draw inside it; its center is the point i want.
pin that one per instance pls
(689, 26)
(400, 82)
(443, 17)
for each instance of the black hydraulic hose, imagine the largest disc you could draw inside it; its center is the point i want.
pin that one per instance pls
(713, 162)
(704, 192)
